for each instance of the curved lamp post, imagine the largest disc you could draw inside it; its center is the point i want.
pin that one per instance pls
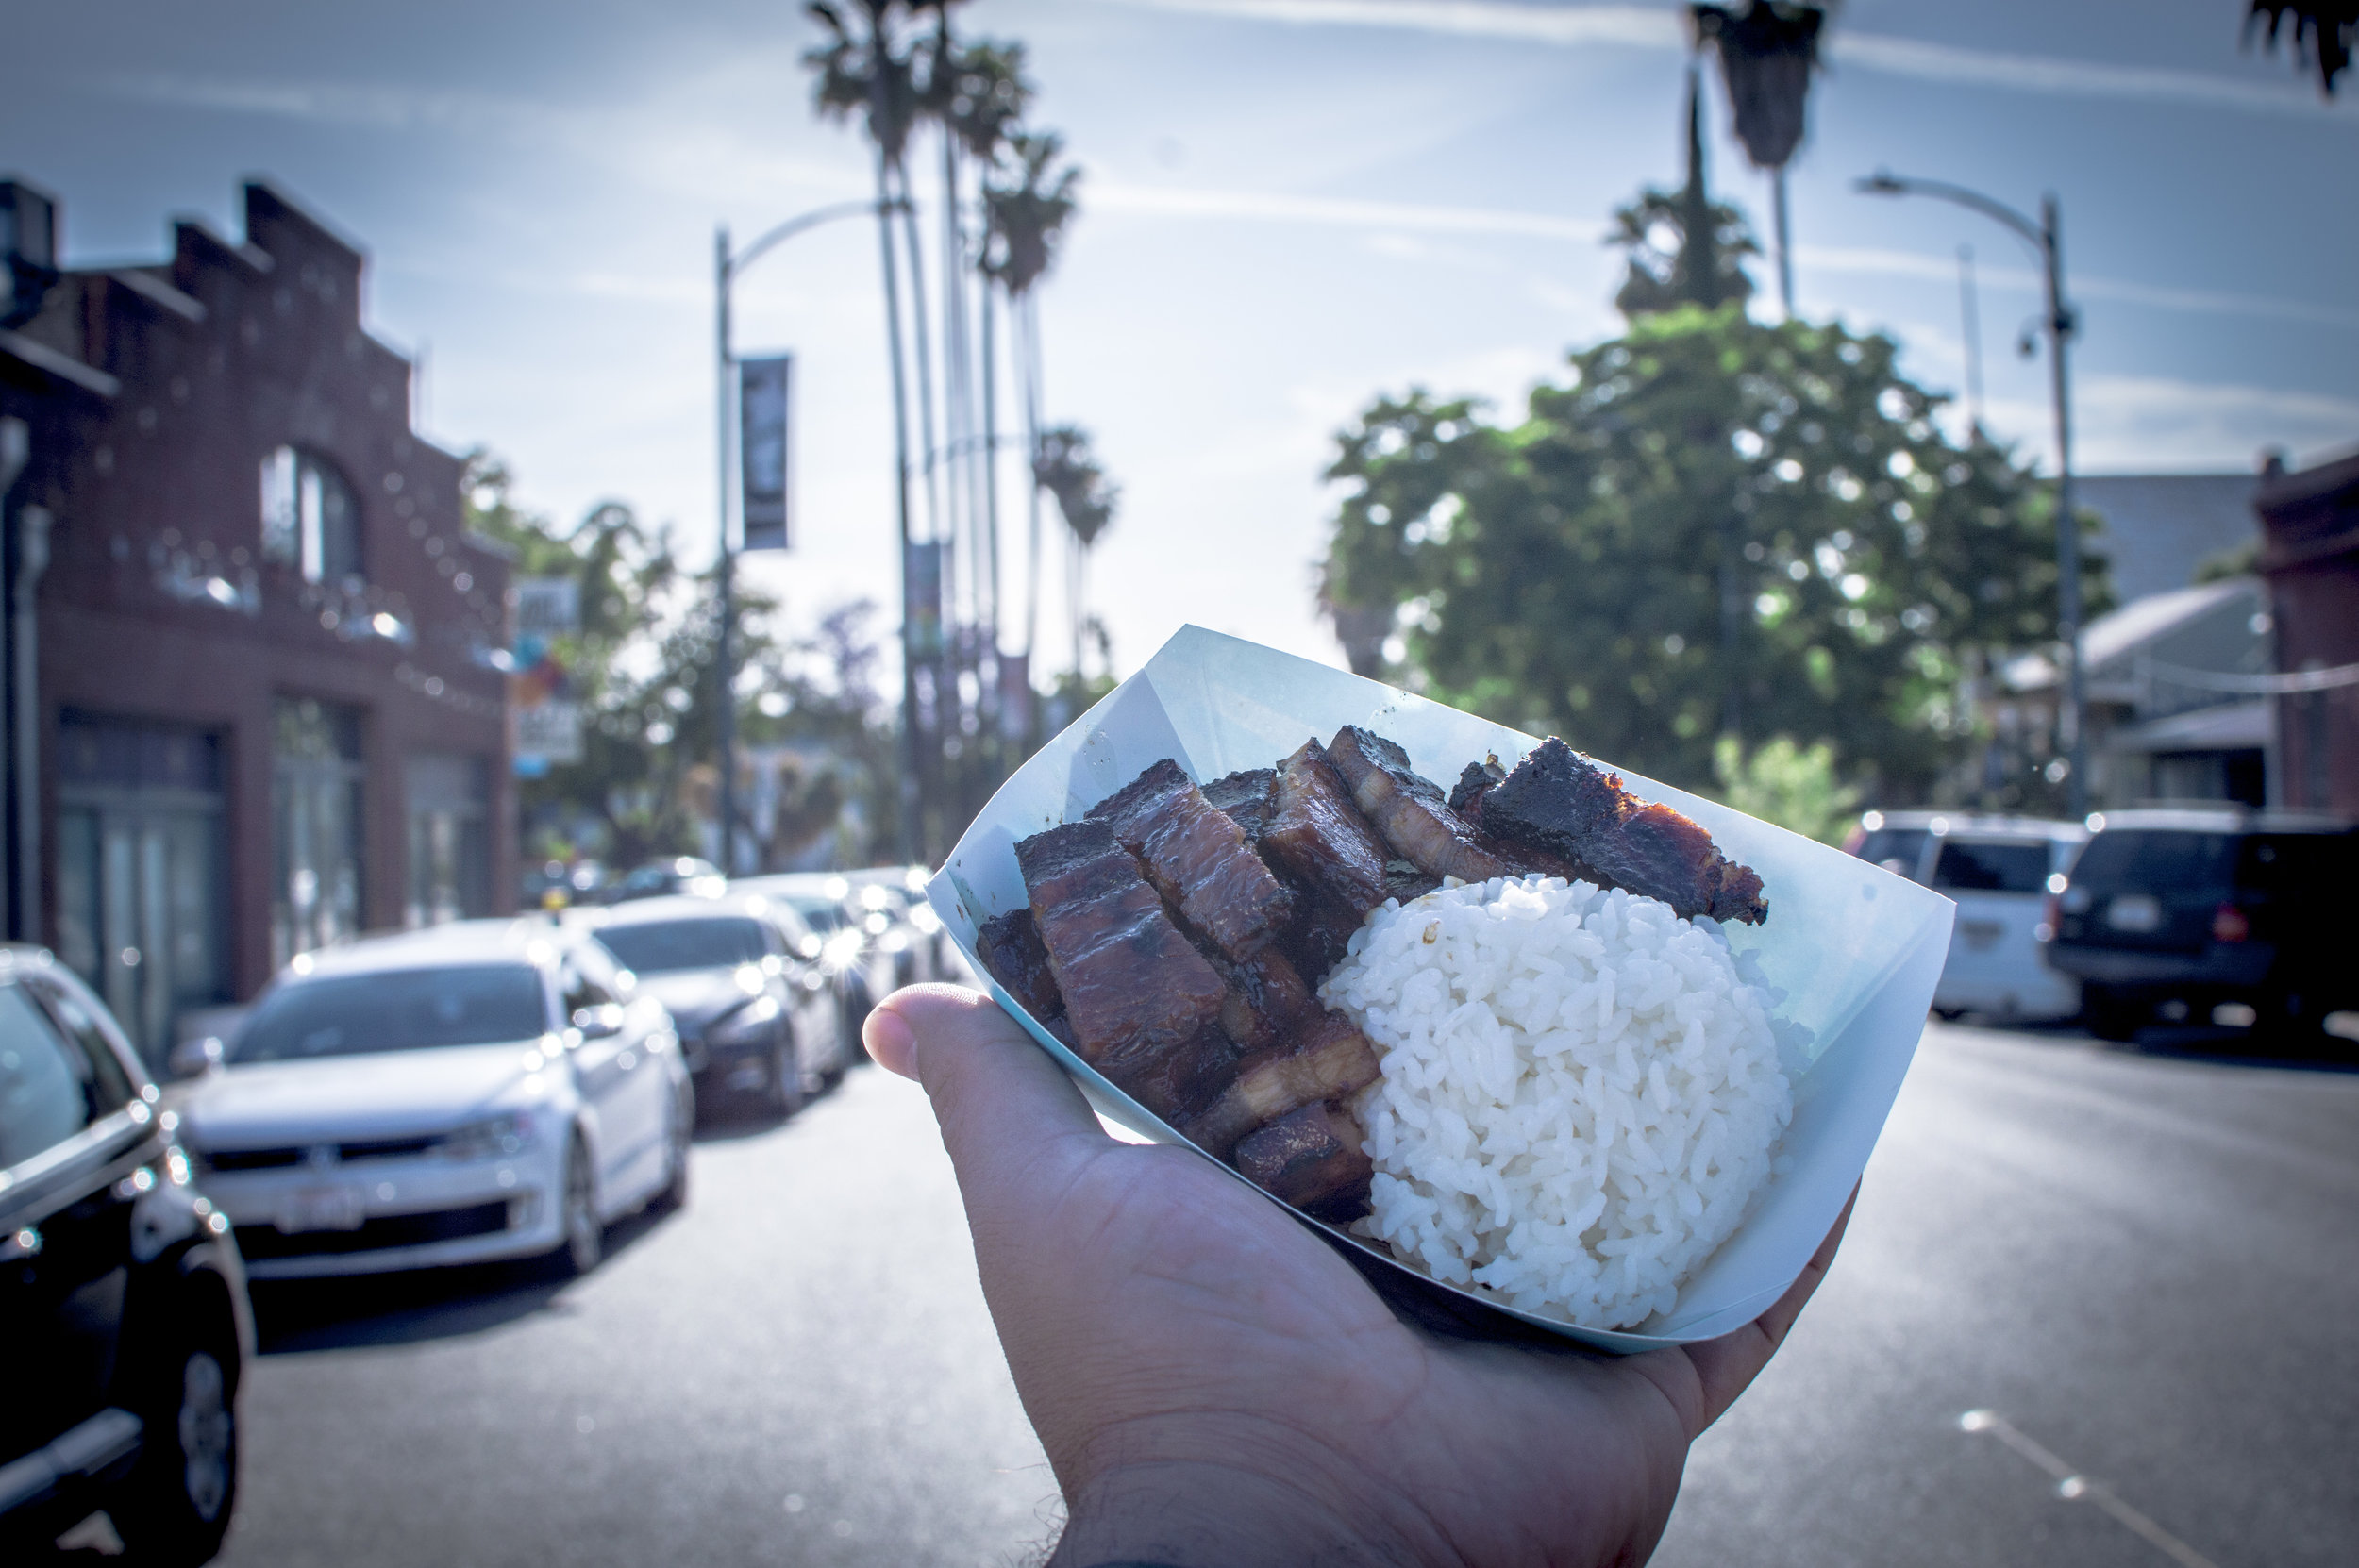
(725, 270)
(2046, 238)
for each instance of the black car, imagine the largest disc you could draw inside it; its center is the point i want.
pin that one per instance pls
(757, 1019)
(123, 1301)
(2184, 911)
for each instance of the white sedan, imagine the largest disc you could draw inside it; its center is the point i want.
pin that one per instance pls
(477, 1091)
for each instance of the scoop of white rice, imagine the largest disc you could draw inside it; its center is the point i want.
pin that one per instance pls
(1580, 1096)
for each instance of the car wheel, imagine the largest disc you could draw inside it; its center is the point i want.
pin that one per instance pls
(673, 1195)
(584, 1242)
(2110, 1016)
(173, 1507)
(786, 1076)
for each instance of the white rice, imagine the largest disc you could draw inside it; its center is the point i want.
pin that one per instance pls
(1579, 1096)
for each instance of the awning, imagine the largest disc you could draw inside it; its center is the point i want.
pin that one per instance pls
(2231, 727)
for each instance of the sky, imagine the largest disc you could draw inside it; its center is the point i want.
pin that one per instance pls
(1289, 207)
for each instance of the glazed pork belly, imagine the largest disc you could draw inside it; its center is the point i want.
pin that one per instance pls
(1557, 802)
(1010, 946)
(1408, 810)
(1311, 1158)
(1321, 927)
(1198, 859)
(1328, 1060)
(1249, 798)
(1143, 1005)
(1320, 836)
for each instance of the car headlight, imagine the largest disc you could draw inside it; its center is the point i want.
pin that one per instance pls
(494, 1138)
(742, 1027)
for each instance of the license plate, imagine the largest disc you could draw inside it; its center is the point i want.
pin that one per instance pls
(1981, 936)
(321, 1208)
(2134, 912)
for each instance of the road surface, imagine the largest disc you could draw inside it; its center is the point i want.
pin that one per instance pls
(2138, 1266)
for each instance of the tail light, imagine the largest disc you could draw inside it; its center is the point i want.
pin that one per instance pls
(2050, 918)
(2229, 923)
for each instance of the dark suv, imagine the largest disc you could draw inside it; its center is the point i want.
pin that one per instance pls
(2200, 908)
(123, 1303)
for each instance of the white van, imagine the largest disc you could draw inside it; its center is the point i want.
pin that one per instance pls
(2000, 870)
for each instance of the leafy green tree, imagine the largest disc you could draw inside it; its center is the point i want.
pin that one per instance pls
(1716, 526)
(1794, 787)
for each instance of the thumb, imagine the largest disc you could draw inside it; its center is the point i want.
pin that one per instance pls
(1010, 1119)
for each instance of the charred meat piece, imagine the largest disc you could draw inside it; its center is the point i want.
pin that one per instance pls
(1143, 1005)
(1266, 997)
(1328, 1060)
(1311, 1158)
(1320, 937)
(1249, 799)
(1198, 859)
(1408, 809)
(1319, 835)
(1010, 946)
(1480, 778)
(1558, 803)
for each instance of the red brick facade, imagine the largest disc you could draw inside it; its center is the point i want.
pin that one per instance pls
(2310, 555)
(165, 611)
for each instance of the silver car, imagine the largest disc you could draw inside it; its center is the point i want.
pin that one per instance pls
(2000, 870)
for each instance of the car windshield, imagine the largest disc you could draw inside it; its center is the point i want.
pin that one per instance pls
(823, 914)
(2156, 860)
(1968, 867)
(1896, 849)
(659, 946)
(398, 1009)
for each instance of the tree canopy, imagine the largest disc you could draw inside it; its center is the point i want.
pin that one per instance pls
(1712, 521)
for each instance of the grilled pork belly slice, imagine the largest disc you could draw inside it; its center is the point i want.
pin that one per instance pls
(1143, 1005)
(1249, 799)
(1198, 859)
(1557, 802)
(1408, 809)
(1328, 1060)
(1010, 946)
(1319, 835)
(1311, 1158)
(1266, 997)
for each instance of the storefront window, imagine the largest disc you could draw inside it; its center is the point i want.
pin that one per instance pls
(316, 810)
(450, 845)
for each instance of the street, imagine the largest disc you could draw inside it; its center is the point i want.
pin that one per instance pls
(2137, 1264)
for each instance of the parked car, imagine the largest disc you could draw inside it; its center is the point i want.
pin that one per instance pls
(867, 968)
(757, 1015)
(483, 1090)
(898, 893)
(123, 1302)
(678, 873)
(2000, 871)
(2174, 912)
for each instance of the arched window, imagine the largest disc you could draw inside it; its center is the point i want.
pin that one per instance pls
(310, 518)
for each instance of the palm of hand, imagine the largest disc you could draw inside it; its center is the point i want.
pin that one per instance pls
(1176, 1337)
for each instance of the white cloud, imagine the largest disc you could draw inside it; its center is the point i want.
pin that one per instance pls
(1642, 26)
(1165, 201)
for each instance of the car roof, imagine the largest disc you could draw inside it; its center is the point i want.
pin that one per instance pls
(797, 884)
(1958, 824)
(2232, 819)
(645, 912)
(527, 939)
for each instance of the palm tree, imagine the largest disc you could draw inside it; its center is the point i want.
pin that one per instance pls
(1027, 218)
(1064, 466)
(1768, 52)
(869, 77)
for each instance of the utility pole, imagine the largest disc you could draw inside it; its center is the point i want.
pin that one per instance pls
(2046, 238)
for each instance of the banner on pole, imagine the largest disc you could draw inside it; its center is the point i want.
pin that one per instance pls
(763, 396)
(921, 591)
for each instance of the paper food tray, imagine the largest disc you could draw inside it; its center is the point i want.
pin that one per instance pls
(1852, 952)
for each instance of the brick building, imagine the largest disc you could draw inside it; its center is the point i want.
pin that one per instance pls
(2310, 557)
(253, 699)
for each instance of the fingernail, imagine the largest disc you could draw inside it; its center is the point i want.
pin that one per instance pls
(889, 1041)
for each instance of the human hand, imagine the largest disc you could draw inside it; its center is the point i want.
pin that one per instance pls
(1215, 1386)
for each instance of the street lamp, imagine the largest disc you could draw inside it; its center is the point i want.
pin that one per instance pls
(725, 270)
(2046, 238)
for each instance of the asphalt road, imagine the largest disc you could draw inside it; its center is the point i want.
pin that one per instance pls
(2140, 1265)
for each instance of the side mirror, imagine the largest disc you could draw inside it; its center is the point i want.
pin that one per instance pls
(194, 1059)
(601, 1021)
